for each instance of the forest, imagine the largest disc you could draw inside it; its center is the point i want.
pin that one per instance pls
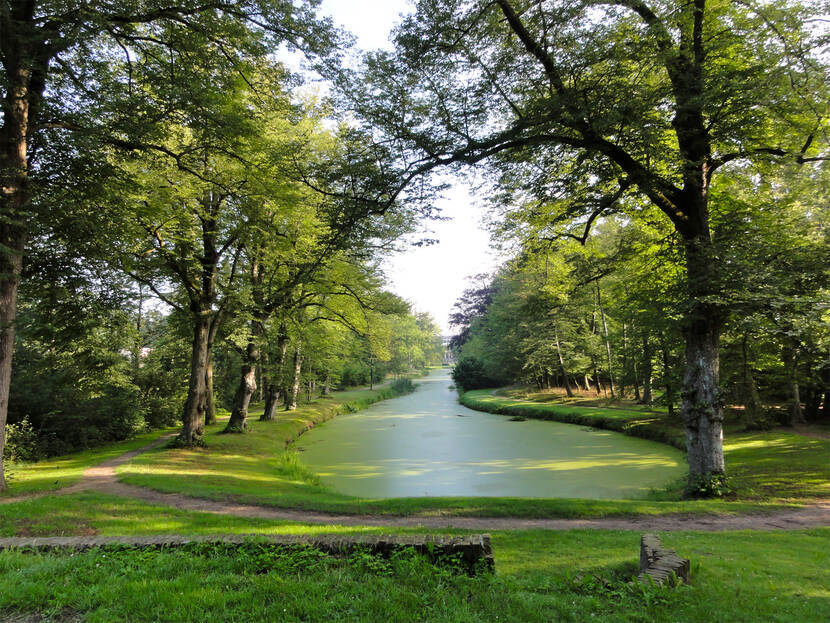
(215, 404)
(185, 229)
(602, 316)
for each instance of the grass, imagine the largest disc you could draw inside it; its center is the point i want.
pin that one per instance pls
(769, 469)
(579, 575)
(637, 422)
(63, 471)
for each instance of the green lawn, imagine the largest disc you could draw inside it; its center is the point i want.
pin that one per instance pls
(770, 469)
(578, 575)
(63, 471)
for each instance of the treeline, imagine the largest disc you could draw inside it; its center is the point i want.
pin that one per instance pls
(96, 364)
(606, 317)
(189, 230)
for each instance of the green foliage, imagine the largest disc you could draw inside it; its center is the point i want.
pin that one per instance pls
(708, 486)
(290, 466)
(402, 386)
(469, 373)
(21, 442)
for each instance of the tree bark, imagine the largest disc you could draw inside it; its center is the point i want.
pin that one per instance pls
(260, 374)
(210, 402)
(11, 261)
(790, 356)
(624, 373)
(701, 411)
(273, 392)
(247, 386)
(749, 391)
(291, 399)
(326, 386)
(667, 381)
(25, 59)
(193, 418)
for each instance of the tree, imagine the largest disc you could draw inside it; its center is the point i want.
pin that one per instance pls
(581, 107)
(56, 58)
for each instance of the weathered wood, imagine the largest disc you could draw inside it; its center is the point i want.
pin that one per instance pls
(661, 564)
(469, 550)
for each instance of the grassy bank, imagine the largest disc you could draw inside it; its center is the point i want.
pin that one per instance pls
(63, 471)
(578, 575)
(257, 466)
(772, 465)
(635, 422)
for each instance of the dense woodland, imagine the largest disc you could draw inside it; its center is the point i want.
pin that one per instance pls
(183, 225)
(603, 316)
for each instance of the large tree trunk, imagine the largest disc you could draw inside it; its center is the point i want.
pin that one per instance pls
(193, 418)
(23, 90)
(624, 374)
(272, 393)
(701, 411)
(11, 261)
(210, 402)
(293, 394)
(247, 386)
(210, 399)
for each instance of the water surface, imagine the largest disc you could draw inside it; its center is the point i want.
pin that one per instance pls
(426, 444)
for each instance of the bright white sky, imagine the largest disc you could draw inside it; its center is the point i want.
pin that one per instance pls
(433, 277)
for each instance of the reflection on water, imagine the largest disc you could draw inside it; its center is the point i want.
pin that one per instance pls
(417, 445)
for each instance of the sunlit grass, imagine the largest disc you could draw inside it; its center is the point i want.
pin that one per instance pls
(541, 575)
(62, 471)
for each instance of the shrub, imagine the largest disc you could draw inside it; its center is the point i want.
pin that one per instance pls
(21, 442)
(469, 374)
(403, 386)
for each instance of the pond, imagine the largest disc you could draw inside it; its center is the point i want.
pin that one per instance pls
(427, 444)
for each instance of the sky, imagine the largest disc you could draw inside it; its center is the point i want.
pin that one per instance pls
(431, 277)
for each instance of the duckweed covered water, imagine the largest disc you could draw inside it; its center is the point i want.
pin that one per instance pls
(426, 444)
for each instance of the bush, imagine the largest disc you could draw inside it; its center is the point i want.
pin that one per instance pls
(21, 442)
(403, 386)
(469, 374)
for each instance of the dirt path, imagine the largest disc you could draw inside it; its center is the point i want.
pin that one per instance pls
(102, 479)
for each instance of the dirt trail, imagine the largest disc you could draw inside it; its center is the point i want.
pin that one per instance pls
(102, 479)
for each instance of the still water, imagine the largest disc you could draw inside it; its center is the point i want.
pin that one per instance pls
(426, 444)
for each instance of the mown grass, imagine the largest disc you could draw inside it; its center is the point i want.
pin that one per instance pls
(773, 465)
(578, 575)
(63, 471)
(647, 424)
